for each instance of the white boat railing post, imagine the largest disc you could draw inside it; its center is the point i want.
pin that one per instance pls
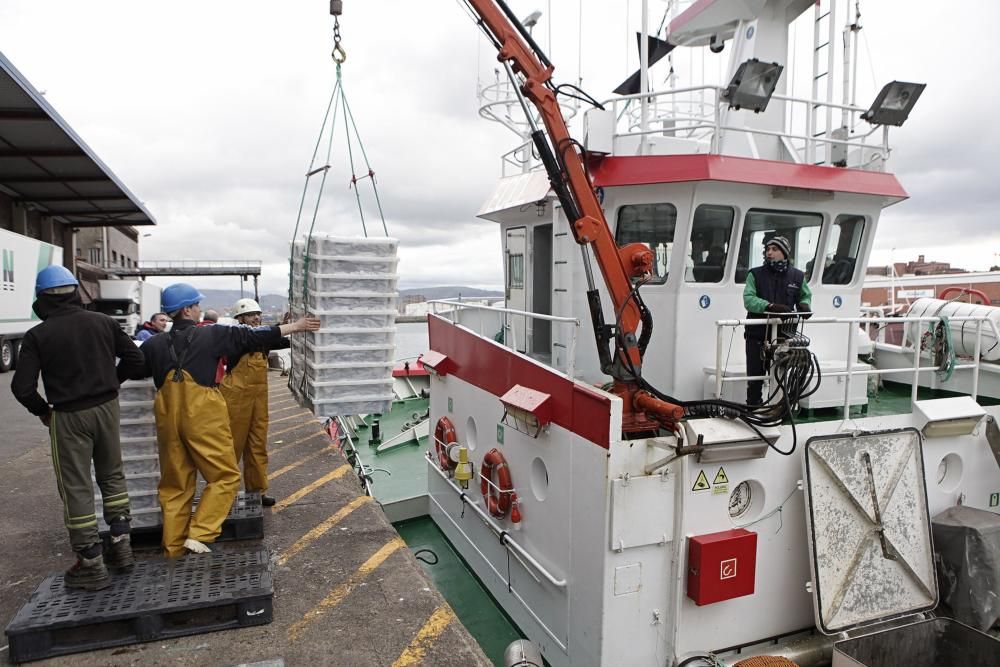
(918, 344)
(718, 360)
(571, 352)
(851, 353)
(976, 355)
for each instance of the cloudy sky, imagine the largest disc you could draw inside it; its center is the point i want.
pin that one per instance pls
(209, 112)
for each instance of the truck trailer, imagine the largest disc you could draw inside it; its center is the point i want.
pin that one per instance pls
(21, 258)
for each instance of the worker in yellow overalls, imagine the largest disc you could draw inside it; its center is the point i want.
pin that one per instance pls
(192, 422)
(245, 389)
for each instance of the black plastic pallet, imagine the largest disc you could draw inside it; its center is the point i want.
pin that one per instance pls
(159, 599)
(245, 522)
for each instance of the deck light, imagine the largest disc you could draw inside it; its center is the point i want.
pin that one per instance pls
(526, 410)
(752, 85)
(945, 417)
(893, 104)
(437, 363)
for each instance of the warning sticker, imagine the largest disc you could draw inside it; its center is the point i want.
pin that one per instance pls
(720, 477)
(701, 484)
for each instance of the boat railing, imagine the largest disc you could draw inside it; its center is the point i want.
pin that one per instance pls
(508, 317)
(695, 112)
(851, 325)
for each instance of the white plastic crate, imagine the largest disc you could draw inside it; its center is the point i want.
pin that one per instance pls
(361, 406)
(350, 283)
(357, 247)
(341, 354)
(351, 336)
(139, 500)
(349, 372)
(143, 446)
(143, 518)
(138, 428)
(381, 318)
(339, 301)
(136, 410)
(137, 390)
(351, 390)
(142, 464)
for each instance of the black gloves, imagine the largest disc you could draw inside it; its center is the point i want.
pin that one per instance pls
(778, 308)
(804, 310)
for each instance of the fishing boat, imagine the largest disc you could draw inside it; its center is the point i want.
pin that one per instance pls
(619, 501)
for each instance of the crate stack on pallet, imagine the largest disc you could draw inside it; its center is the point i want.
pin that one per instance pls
(141, 464)
(140, 456)
(345, 368)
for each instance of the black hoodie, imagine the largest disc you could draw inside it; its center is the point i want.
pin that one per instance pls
(75, 351)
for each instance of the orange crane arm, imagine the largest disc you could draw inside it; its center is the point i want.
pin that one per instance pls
(618, 265)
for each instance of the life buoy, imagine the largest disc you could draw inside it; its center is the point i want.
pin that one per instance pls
(444, 435)
(496, 492)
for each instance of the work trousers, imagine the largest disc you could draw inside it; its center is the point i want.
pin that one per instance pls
(79, 438)
(245, 391)
(192, 432)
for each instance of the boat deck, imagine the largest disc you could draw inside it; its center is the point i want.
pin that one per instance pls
(346, 587)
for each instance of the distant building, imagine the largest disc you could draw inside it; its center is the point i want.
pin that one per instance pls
(880, 290)
(921, 267)
(409, 299)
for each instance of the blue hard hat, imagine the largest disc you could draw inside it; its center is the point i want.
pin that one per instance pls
(179, 295)
(54, 276)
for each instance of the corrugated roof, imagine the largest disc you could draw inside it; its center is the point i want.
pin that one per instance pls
(44, 163)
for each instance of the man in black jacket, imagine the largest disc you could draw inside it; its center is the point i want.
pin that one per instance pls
(74, 350)
(774, 289)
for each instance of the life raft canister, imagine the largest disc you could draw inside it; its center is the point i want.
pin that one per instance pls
(444, 435)
(499, 494)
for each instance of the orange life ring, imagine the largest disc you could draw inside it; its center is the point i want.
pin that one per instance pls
(498, 494)
(444, 435)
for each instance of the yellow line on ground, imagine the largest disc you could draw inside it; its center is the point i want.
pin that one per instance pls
(309, 488)
(284, 419)
(342, 591)
(284, 409)
(283, 402)
(293, 428)
(292, 466)
(283, 447)
(435, 625)
(319, 530)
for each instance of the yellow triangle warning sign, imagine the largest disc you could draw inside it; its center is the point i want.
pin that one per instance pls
(701, 484)
(720, 477)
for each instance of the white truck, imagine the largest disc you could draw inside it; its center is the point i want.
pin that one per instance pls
(130, 302)
(21, 258)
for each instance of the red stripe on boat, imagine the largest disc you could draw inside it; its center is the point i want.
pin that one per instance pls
(652, 169)
(494, 368)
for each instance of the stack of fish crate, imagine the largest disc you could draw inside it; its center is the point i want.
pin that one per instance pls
(345, 368)
(140, 455)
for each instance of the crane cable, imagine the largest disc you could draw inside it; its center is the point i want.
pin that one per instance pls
(337, 103)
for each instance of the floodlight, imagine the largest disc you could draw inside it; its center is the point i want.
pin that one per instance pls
(944, 417)
(752, 85)
(531, 20)
(893, 104)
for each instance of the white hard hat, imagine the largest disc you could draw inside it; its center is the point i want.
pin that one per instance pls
(245, 306)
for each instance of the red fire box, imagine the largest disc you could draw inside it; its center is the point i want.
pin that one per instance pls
(721, 566)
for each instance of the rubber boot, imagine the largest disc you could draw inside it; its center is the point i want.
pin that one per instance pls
(266, 501)
(119, 556)
(196, 547)
(89, 574)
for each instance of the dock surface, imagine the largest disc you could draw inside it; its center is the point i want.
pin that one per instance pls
(347, 590)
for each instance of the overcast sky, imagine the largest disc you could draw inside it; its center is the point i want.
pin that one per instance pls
(209, 111)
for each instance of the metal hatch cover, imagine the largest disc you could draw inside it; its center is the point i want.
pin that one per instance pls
(869, 527)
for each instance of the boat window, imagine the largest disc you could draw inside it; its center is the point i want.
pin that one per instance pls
(801, 230)
(708, 249)
(842, 249)
(652, 225)
(515, 271)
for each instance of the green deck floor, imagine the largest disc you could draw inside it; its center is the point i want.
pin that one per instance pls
(400, 473)
(478, 611)
(890, 399)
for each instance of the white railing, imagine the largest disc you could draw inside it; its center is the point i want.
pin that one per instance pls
(451, 308)
(852, 325)
(695, 112)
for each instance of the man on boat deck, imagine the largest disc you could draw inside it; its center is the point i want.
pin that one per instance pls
(192, 423)
(74, 350)
(774, 289)
(245, 391)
